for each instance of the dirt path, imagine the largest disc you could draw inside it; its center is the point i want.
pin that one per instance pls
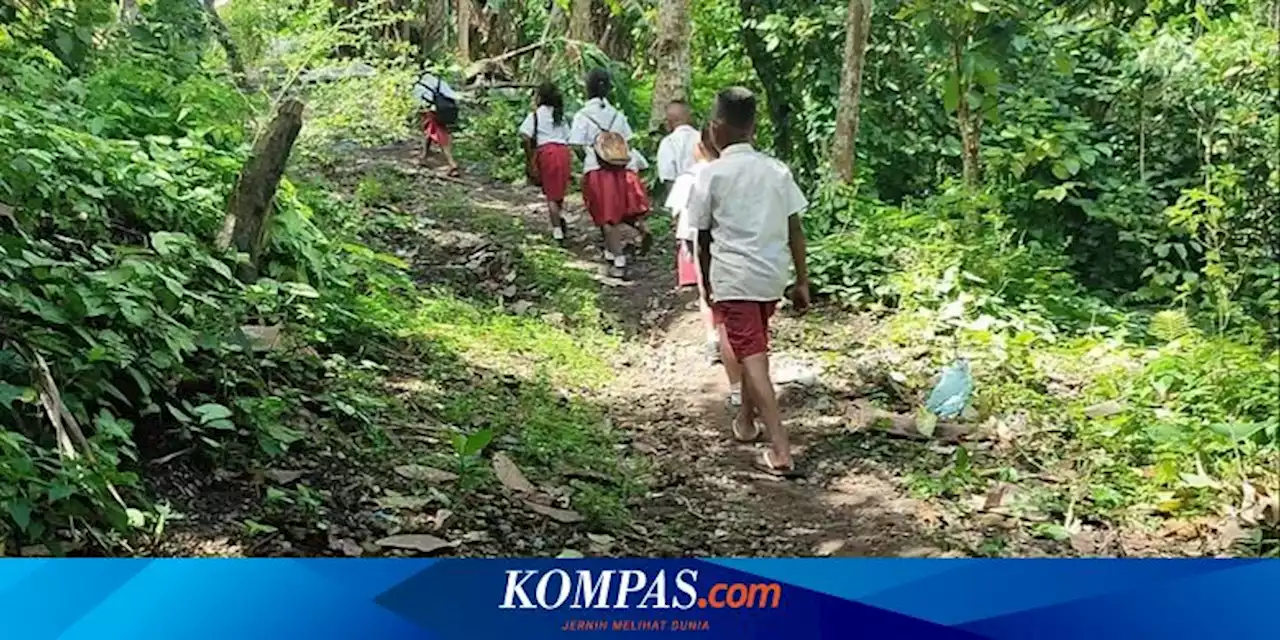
(671, 405)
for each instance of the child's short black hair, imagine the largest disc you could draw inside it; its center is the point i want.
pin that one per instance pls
(598, 83)
(736, 107)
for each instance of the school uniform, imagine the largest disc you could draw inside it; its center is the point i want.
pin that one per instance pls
(612, 194)
(675, 152)
(686, 235)
(551, 156)
(745, 200)
(424, 91)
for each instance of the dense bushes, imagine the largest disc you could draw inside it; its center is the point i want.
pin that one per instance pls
(117, 170)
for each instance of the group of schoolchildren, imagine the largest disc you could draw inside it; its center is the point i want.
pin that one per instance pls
(737, 224)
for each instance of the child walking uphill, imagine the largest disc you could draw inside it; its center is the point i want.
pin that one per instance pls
(687, 271)
(611, 190)
(546, 152)
(746, 207)
(438, 110)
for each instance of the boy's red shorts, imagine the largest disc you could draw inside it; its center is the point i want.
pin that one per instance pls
(746, 323)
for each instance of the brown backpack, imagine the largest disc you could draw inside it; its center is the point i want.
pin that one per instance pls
(610, 147)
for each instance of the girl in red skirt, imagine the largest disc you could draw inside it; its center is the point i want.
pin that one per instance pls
(546, 152)
(613, 194)
(429, 90)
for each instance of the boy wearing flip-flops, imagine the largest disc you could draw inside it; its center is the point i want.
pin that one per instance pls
(746, 207)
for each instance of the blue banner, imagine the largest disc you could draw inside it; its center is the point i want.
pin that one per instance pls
(738, 599)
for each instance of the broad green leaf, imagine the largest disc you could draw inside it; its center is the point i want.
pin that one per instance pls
(1238, 430)
(1072, 164)
(167, 243)
(212, 411)
(951, 93)
(926, 422)
(980, 7)
(20, 512)
(1060, 171)
(10, 393)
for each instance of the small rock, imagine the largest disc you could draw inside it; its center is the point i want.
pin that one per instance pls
(828, 548)
(347, 547)
(522, 307)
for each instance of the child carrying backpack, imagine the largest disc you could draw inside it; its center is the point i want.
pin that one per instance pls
(438, 110)
(612, 191)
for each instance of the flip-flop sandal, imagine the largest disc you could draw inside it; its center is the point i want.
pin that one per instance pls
(756, 427)
(454, 173)
(765, 464)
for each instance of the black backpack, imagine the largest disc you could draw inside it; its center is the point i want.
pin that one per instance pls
(446, 107)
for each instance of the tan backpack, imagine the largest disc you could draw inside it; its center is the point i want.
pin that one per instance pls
(610, 147)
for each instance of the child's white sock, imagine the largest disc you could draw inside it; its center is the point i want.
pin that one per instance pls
(620, 261)
(557, 233)
(608, 255)
(735, 394)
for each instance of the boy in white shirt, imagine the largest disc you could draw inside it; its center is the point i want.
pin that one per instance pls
(687, 272)
(675, 151)
(746, 207)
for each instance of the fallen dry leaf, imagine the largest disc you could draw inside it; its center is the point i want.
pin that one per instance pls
(510, 475)
(403, 502)
(262, 338)
(424, 473)
(283, 476)
(566, 516)
(996, 496)
(828, 547)
(601, 539)
(416, 542)
(1104, 410)
(437, 522)
(570, 554)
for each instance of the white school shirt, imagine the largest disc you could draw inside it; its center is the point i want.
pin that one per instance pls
(638, 162)
(548, 131)
(745, 200)
(675, 152)
(595, 116)
(424, 89)
(678, 201)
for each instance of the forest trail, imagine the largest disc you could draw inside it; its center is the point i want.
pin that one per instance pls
(671, 408)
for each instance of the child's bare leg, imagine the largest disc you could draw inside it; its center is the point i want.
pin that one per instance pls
(758, 393)
(642, 227)
(447, 149)
(557, 221)
(732, 368)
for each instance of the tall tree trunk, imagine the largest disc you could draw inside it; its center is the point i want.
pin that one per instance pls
(844, 149)
(128, 11)
(223, 36)
(580, 21)
(249, 209)
(970, 123)
(464, 30)
(435, 27)
(671, 51)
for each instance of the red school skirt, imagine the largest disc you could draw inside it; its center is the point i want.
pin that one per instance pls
(554, 164)
(614, 195)
(435, 132)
